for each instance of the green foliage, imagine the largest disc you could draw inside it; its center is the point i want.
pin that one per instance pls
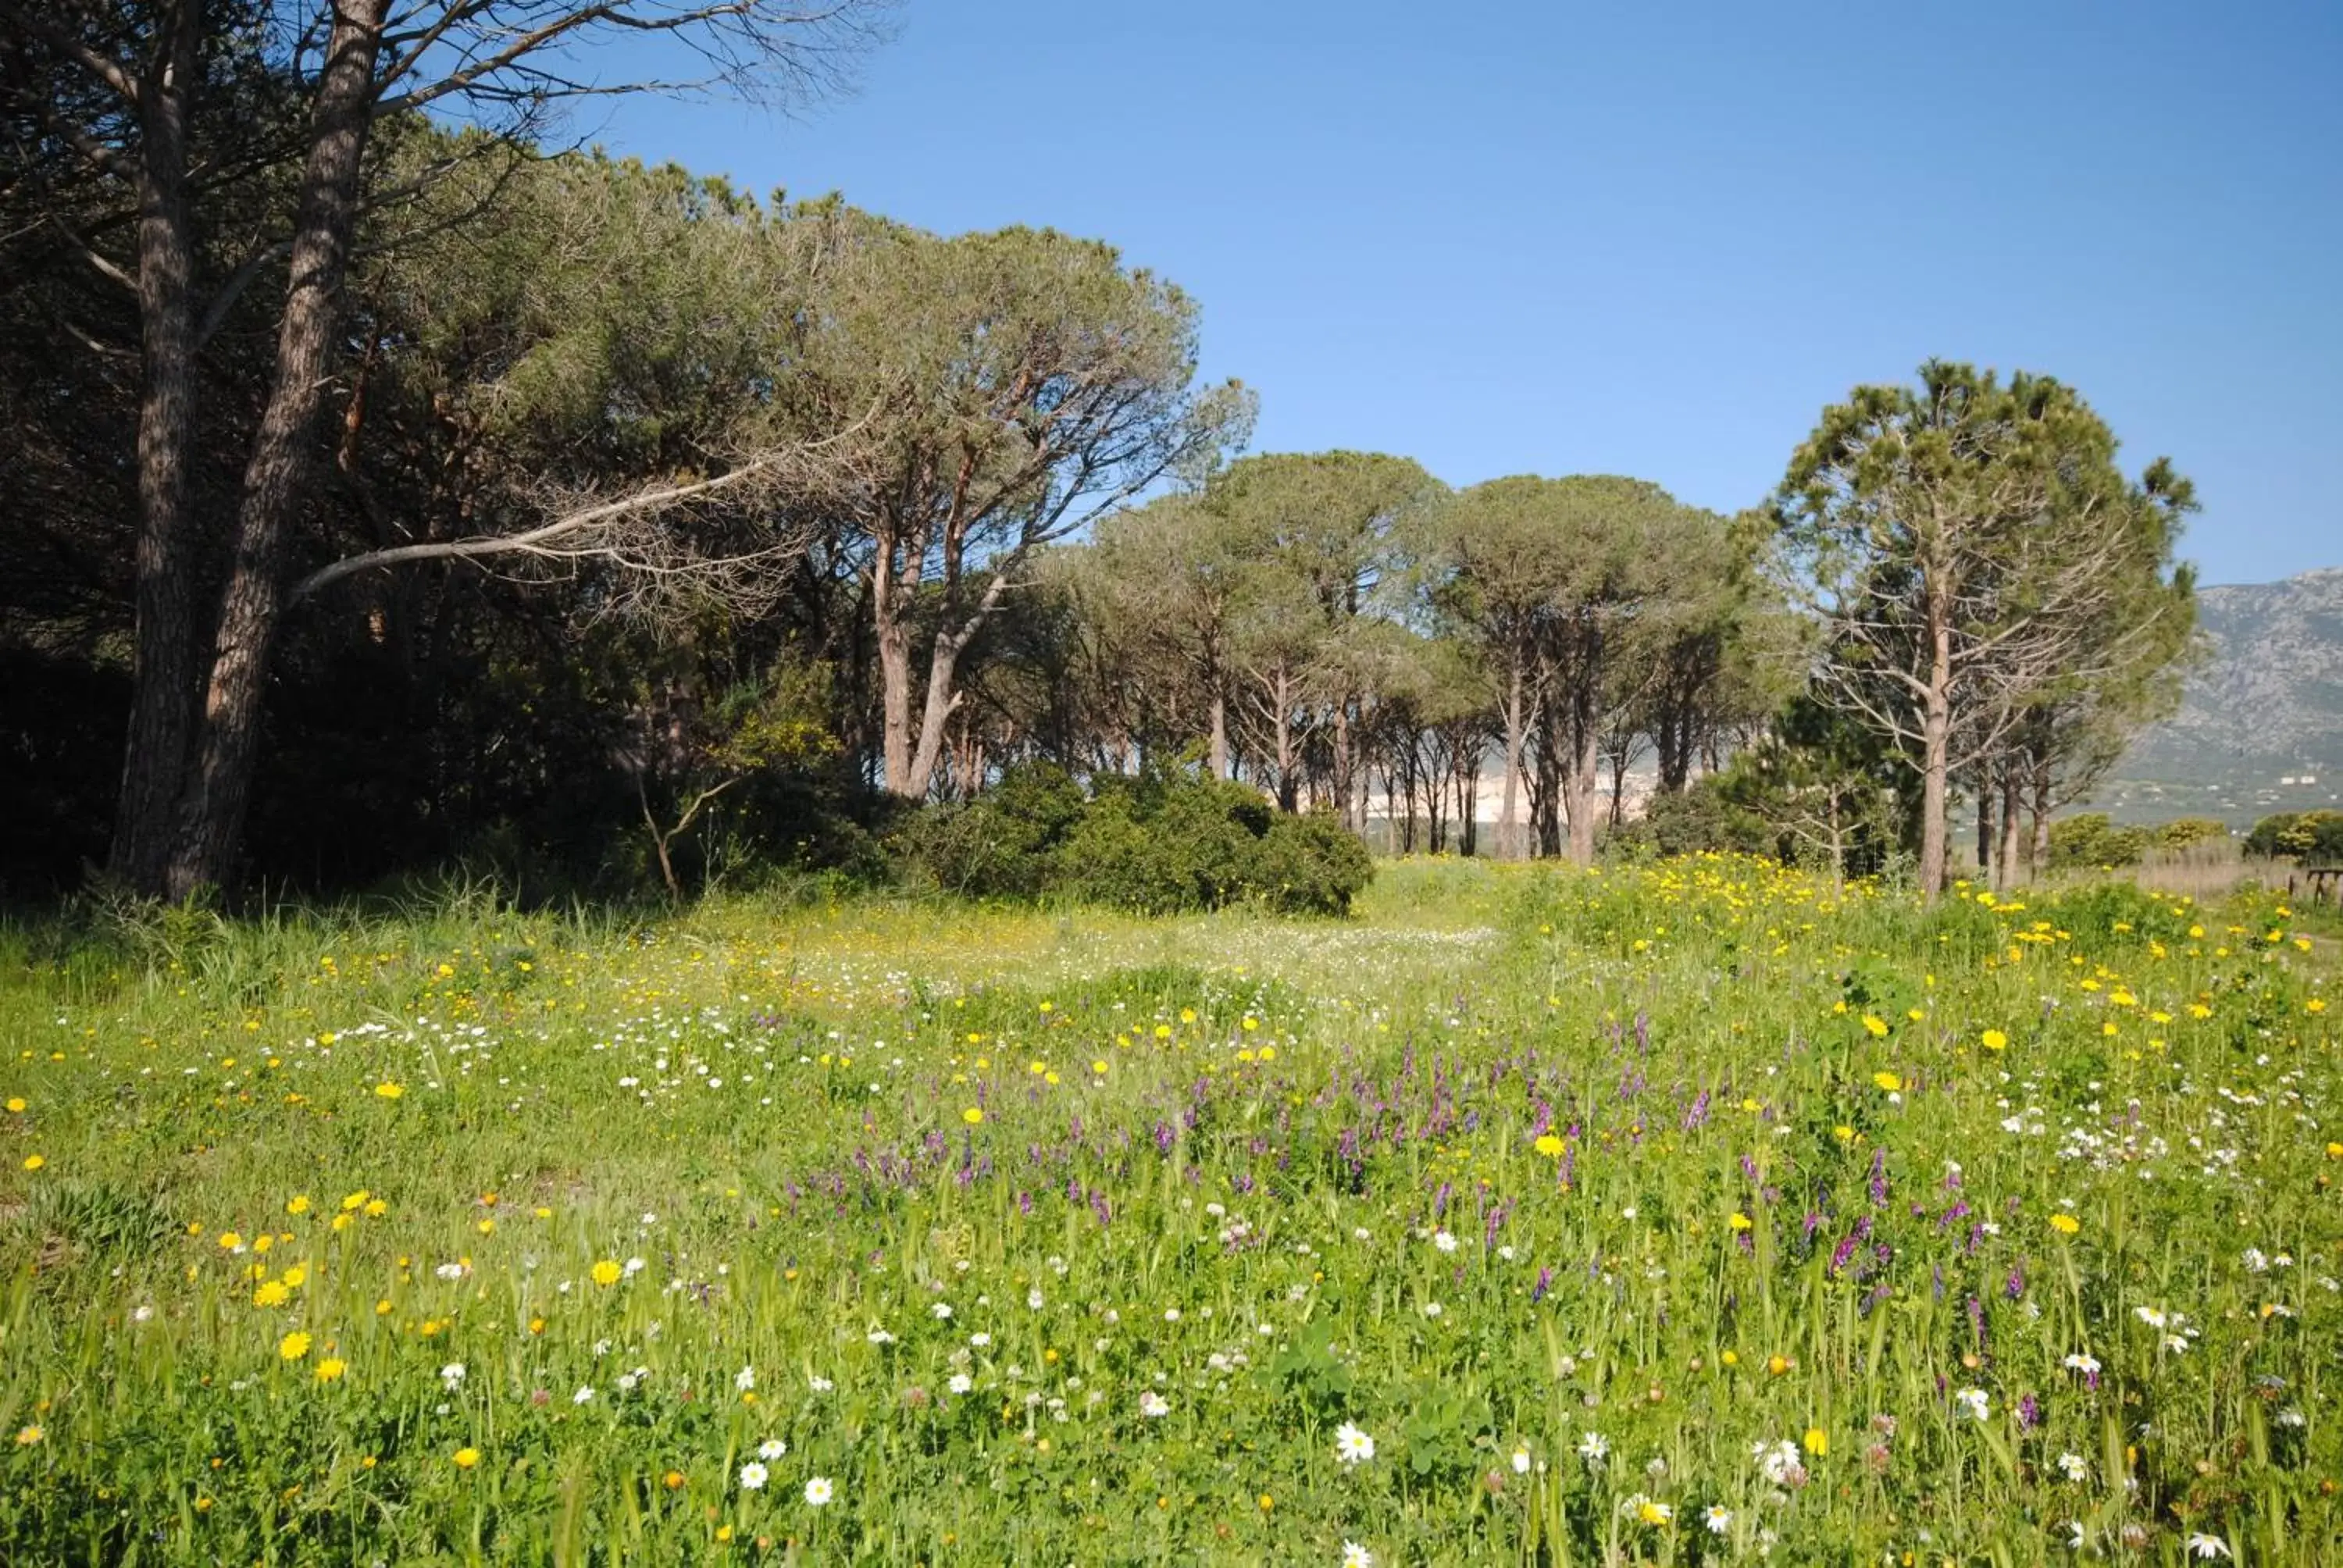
(2184, 831)
(2090, 840)
(1004, 843)
(2313, 835)
(1704, 815)
(1157, 844)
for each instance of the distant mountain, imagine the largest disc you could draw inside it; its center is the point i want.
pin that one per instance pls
(2260, 726)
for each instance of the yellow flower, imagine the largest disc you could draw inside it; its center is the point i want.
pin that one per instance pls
(1549, 1145)
(1888, 1081)
(354, 1200)
(973, 1116)
(1877, 1025)
(1817, 1442)
(1739, 1220)
(28, 1435)
(2064, 1224)
(297, 1204)
(272, 1295)
(296, 1276)
(294, 1346)
(607, 1273)
(2316, 1004)
(389, 1090)
(1654, 1513)
(1996, 1041)
(229, 1241)
(467, 1457)
(377, 1208)
(35, 1162)
(16, 1104)
(331, 1368)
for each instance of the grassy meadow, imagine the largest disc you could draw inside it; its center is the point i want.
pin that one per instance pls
(1695, 1213)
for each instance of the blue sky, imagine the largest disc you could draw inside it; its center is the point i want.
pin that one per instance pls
(1654, 240)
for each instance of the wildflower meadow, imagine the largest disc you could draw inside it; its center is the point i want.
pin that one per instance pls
(1693, 1213)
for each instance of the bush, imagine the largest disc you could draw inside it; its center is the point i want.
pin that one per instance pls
(2182, 832)
(1001, 844)
(1703, 816)
(2091, 839)
(1159, 843)
(2312, 836)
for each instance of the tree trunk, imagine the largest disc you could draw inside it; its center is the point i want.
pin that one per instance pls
(1468, 803)
(2039, 861)
(1220, 743)
(1936, 729)
(1509, 842)
(163, 661)
(1579, 778)
(1618, 788)
(934, 711)
(894, 639)
(2010, 868)
(278, 476)
(1985, 823)
(1343, 781)
(1280, 691)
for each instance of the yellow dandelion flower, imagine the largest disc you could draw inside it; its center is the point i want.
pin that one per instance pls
(271, 1294)
(1817, 1442)
(28, 1435)
(607, 1273)
(389, 1090)
(1549, 1145)
(293, 1346)
(1739, 1220)
(1996, 1041)
(331, 1369)
(35, 1162)
(466, 1458)
(1876, 1025)
(297, 1204)
(1888, 1081)
(973, 1116)
(2064, 1224)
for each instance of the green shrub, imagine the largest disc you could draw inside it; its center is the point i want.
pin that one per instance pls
(1157, 843)
(1002, 844)
(2181, 832)
(2315, 836)
(2091, 839)
(1703, 816)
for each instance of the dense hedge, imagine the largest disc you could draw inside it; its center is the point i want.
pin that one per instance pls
(1156, 844)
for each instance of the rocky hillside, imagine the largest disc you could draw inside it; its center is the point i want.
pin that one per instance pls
(2260, 728)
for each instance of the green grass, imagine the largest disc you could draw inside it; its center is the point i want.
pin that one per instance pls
(1516, 1166)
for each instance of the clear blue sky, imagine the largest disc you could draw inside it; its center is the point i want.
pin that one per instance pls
(1654, 239)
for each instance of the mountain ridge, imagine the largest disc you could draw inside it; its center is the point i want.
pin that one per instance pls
(2261, 723)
